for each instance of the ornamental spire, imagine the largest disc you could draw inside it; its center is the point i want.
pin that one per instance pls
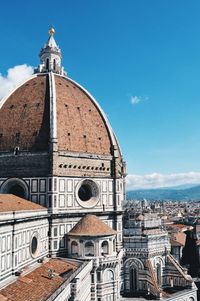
(51, 31)
(50, 56)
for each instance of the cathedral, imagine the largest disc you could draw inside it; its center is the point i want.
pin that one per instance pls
(62, 187)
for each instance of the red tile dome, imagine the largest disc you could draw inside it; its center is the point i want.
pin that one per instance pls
(91, 225)
(28, 114)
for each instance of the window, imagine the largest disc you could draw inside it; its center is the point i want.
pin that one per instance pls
(114, 245)
(34, 245)
(50, 184)
(158, 273)
(89, 248)
(98, 276)
(17, 190)
(74, 248)
(55, 245)
(17, 137)
(104, 248)
(47, 64)
(55, 231)
(108, 275)
(87, 193)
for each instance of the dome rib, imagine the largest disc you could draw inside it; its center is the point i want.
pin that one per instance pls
(85, 127)
(103, 115)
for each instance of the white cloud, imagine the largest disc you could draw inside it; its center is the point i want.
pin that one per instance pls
(14, 77)
(137, 99)
(156, 180)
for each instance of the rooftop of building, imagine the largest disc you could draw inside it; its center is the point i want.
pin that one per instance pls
(38, 284)
(178, 239)
(79, 123)
(91, 225)
(11, 202)
(178, 228)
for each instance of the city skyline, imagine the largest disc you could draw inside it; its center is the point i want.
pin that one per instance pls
(139, 59)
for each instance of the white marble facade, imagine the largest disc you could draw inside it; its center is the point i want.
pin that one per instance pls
(23, 240)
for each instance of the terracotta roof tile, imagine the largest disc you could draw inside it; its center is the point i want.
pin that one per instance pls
(81, 125)
(178, 239)
(24, 117)
(90, 225)
(179, 227)
(37, 285)
(10, 202)
(2, 298)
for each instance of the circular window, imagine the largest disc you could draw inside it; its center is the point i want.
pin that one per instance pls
(34, 245)
(87, 193)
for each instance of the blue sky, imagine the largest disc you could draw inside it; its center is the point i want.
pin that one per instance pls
(141, 61)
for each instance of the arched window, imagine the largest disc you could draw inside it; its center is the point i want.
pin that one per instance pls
(89, 248)
(54, 64)
(108, 275)
(133, 280)
(158, 273)
(47, 64)
(15, 186)
(104, 247)
(114, 245)
(17, 190)
(74, 248)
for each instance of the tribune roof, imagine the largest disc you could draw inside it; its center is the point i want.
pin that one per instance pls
(10, 202)
(91, 225)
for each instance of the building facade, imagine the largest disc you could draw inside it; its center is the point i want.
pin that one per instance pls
(58, 150)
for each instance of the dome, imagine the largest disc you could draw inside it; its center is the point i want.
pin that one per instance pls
(91, 225)
(50, 107)
(52, 125)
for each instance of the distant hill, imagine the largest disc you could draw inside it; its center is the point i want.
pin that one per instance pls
(192, 193)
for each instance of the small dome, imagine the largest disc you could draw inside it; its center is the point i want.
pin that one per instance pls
(90, 225)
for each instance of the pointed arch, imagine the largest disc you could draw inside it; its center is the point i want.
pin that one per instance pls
(136, 262)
